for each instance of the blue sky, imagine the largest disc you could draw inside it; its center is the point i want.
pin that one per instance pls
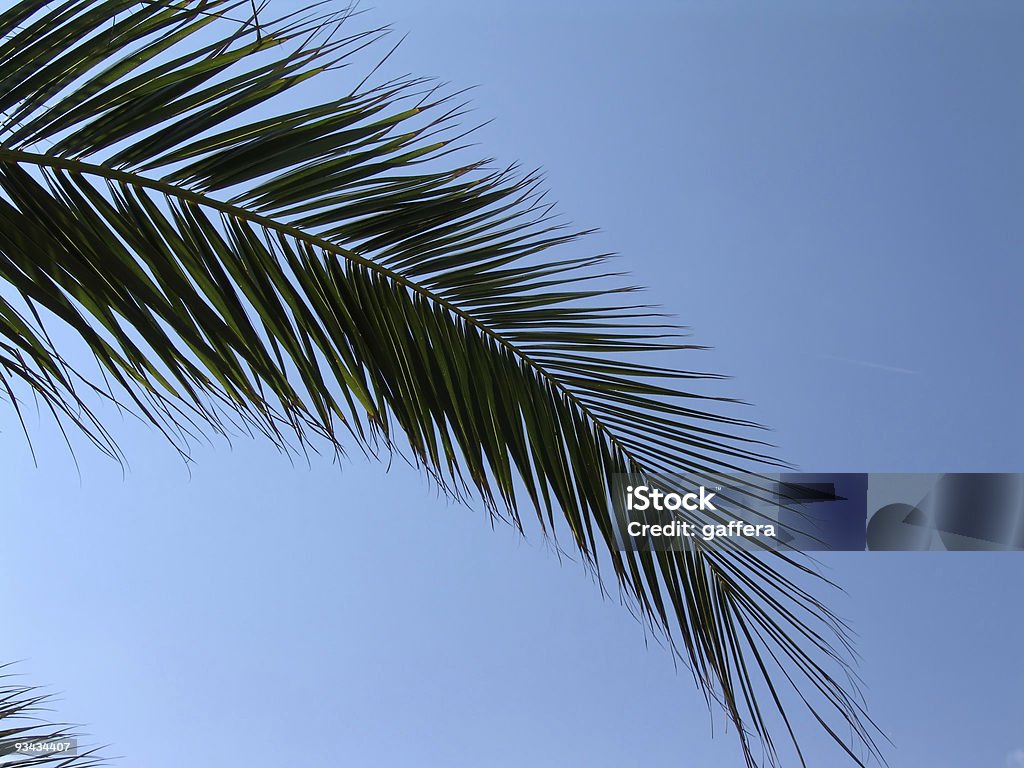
(829, 194)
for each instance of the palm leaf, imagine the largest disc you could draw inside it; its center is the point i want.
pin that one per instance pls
(333, 273)
(21, 724)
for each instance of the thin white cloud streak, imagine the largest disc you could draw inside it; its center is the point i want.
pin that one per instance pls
(876, 366)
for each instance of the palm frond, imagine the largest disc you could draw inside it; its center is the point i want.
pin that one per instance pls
(333, 273)
(25, 733)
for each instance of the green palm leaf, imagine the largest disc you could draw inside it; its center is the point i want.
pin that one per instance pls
(331, 274)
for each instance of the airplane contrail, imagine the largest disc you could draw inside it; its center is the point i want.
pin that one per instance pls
(865, 364)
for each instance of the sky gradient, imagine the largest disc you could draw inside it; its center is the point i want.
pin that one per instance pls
(829, 195)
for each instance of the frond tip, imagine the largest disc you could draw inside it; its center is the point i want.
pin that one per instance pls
(332, 272)
(28, 740)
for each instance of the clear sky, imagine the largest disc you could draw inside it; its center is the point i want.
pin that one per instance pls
(828, 193)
